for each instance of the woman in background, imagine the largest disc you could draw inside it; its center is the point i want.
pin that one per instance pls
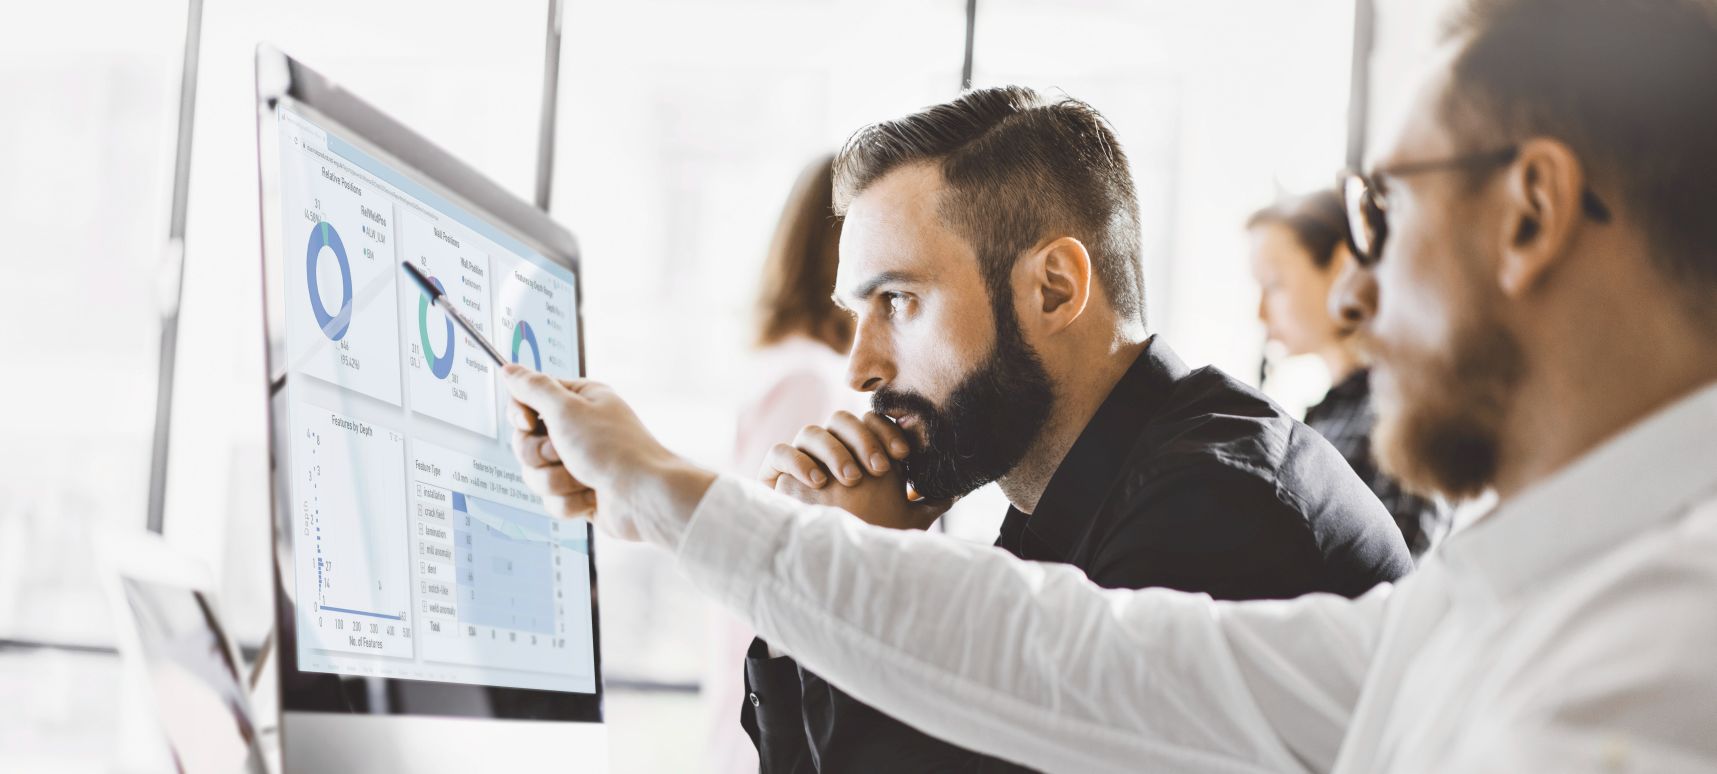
(799, 371)
(796, 377)
(1298, 250)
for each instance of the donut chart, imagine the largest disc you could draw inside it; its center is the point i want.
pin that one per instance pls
(335, 325)
(522, 334)
(440, 366)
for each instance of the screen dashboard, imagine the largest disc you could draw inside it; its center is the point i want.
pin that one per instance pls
(417, 551)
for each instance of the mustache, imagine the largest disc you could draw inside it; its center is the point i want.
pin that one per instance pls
(1359, 337)
(890, 401)
(895, 402)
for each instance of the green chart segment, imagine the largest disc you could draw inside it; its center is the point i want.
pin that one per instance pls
(443, 365)
(522, 334)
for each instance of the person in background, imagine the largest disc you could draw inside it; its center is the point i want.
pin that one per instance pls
(796, 377)
(799, 370)
(1298, 251)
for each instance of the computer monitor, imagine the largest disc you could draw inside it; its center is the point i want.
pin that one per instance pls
(173, 643)
(430, 615)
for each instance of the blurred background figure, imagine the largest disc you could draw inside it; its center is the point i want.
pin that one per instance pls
(1298, 250)
(796, 377)
(799, 369)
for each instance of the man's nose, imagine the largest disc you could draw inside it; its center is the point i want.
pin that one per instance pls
(869, 367)
(1353, 298)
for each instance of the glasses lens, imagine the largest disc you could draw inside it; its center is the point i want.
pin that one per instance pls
(1364, 220)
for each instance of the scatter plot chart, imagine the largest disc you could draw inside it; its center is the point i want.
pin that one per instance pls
(351, 539)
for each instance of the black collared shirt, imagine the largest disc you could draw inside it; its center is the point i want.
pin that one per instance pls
(1183, 479)
(1345, 418)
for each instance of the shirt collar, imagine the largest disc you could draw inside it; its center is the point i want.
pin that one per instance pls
(1350, 396)
(1081, 483)
(1357, 386)
(1648, 474)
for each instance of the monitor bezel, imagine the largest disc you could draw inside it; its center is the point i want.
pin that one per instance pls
(282, 81)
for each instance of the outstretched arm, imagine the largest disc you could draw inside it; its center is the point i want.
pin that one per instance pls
(1029, 661)
(1032, 661)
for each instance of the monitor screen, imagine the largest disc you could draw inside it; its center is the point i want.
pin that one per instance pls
(416, 551)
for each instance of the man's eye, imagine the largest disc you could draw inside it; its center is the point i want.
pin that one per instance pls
(896, 303)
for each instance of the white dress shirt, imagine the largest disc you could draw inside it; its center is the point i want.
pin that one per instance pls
(1573, 629)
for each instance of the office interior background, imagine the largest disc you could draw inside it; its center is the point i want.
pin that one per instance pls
(681, 126)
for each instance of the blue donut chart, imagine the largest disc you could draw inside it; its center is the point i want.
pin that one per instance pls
(522, 333)
(440, 366)
(335, 325)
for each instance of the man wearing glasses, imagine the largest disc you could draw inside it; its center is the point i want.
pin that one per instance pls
(1540, 236)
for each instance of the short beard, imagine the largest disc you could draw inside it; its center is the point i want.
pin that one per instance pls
(1439, 431)
(987, 424)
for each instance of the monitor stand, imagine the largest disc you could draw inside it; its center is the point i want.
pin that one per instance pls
(317, 742)
(314, 743)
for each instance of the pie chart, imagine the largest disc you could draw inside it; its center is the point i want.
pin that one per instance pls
(443, 365)
(334, 326)
(522, 334)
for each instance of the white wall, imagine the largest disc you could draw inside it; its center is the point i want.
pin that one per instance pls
(1406, 36)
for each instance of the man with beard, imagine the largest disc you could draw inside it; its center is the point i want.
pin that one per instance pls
(990, 259)
(1539, 299)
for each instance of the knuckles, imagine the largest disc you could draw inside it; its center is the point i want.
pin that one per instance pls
(795, 489)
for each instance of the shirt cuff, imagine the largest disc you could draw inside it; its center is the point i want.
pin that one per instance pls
(732, 537)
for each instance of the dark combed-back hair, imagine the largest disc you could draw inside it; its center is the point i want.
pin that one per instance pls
(1317, 220)
(799, 273)
(1629, 85)
(1019, 168)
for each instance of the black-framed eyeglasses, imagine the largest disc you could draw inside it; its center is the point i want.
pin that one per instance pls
(1368, 209)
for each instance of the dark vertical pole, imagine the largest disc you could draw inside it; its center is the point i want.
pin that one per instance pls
(1359, 82)
(971, 30)
(173, 263)
(550, 106)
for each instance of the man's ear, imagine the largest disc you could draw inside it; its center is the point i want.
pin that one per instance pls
(1056, 279)
(1542, 189)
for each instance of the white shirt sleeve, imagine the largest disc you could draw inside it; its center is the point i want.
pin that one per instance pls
(1030, 661)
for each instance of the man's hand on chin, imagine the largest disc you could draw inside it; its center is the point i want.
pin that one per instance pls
(879, 499)
(852, 463)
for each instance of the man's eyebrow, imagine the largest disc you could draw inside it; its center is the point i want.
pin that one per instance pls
(866, 288)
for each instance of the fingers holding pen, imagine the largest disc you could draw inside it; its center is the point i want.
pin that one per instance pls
(534, 450)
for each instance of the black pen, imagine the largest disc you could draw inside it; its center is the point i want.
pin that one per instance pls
(439, 298)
